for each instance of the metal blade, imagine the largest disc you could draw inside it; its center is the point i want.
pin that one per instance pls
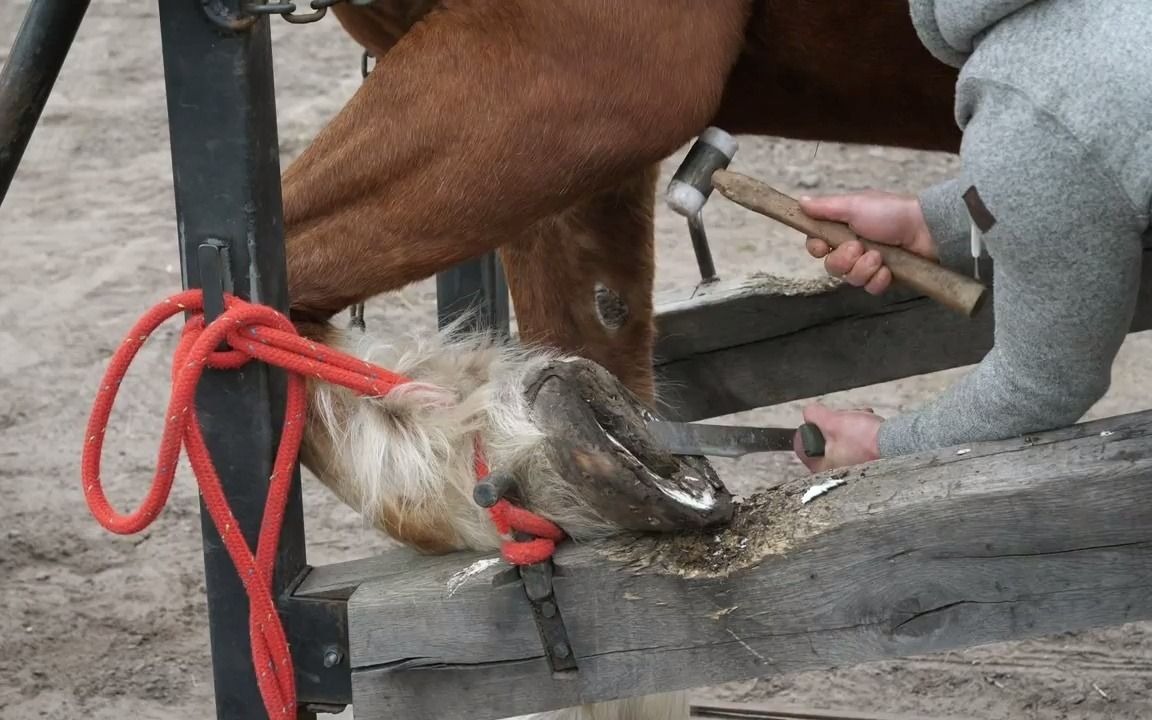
(720, 440)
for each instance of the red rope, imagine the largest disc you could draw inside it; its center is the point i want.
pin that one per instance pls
(254, 332)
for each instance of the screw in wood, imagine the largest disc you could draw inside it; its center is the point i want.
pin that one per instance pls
(332, 656)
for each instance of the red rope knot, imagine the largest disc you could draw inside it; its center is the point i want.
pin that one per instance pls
(510, 519)
(250, 332)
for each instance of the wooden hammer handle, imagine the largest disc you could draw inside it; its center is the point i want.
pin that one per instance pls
(951, 289)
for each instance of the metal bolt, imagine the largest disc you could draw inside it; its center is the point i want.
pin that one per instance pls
(548, 609)
(332, 656)
(561, 650)
(488, 491)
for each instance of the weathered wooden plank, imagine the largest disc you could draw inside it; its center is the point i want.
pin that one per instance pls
(337, 581)
(763, 341)
(910, 556)
(713, 710)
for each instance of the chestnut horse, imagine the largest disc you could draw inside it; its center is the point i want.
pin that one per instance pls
(536, 128)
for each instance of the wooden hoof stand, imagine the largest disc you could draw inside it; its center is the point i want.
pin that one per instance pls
(598, 442)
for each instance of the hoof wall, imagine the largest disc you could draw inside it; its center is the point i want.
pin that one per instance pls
(599, 444)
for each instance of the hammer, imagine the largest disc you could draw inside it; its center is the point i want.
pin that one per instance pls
(705, 168)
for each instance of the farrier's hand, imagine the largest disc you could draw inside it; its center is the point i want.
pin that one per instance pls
(850, 437)
(882, 217)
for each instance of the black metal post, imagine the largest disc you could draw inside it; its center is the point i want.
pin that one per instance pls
(225, 158)
(42, 43)
(476, 285)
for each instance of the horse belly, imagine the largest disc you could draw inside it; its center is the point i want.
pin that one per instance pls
(841, 72)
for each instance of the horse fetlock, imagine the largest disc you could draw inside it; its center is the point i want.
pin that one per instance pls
(569, 434)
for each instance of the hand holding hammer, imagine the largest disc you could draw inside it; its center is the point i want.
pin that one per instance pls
(705, 168)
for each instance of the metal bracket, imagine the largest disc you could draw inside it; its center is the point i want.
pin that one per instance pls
(224, 16)
(213, 260)
(317, 630)
(537, 579)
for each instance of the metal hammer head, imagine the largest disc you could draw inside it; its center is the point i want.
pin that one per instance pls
(692, 183)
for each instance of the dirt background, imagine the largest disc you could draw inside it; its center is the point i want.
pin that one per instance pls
(101, 627)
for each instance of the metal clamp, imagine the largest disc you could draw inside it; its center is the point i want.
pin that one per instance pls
(537, 579)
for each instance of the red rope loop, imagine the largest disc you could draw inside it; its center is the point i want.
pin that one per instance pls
(254, 332)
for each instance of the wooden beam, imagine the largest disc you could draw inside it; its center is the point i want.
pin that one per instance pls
(714, 710)
(909, 556)
(762, 340)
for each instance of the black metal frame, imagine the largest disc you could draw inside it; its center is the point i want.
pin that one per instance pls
(476, 287)
(41, 45)
(226, 169)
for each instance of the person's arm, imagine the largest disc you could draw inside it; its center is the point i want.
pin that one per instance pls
(1067, 252)
(948, 221)
(934, 224)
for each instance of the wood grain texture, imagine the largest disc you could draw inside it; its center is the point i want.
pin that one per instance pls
(740, 345)
(913, 555)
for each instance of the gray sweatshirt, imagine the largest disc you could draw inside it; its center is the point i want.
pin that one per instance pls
(1055, 101)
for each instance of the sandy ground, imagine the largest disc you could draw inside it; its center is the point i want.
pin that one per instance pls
(104, 627)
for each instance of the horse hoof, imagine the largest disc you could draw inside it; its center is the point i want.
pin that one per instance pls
(598, 444)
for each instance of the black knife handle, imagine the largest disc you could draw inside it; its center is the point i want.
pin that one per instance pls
(812, 440)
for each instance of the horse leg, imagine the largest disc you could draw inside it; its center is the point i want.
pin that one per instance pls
(379, 26)
(584, 281)
(581, 281)
(600, 249)
(425, 166)
(420, 172)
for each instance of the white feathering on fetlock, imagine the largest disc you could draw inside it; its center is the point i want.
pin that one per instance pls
(405, 461)
(410, 455)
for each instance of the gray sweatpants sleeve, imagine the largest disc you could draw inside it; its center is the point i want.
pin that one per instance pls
(1066, 249)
